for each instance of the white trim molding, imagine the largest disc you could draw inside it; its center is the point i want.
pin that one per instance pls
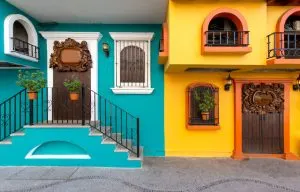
(132, 90)
(57, 35)
(9, 31)
(92, 39)
(30, 155)
(131, 39)
(133, 36)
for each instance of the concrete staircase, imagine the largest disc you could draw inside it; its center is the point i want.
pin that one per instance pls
(68, 145)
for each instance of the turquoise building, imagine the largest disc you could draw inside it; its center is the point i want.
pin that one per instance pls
(119, 116)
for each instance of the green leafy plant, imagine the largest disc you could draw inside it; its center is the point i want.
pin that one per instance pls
(206, 100)
(73, 85)
(32, 81)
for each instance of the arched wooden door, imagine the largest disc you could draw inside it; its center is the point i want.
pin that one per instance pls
(263, 118)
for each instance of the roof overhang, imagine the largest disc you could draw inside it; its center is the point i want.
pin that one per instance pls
(95, 11)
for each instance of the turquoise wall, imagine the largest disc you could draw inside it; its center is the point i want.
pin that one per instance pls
(8, 85)
(7, 9)
(8, 77)
(149, 108)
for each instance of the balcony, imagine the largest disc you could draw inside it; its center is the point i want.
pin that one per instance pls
(284, 48)
(220, 41)
(25, 48)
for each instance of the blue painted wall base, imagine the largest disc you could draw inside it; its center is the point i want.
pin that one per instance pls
(62, 144)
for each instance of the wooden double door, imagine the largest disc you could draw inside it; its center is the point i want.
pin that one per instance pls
(63, 107)
(263, 118)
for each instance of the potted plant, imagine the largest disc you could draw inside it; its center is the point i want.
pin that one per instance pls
(73, 85)
(206, 102)
(32, 81)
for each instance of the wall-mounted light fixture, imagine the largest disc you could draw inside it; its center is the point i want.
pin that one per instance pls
(296, 86)
(105, 48)
(228, 83)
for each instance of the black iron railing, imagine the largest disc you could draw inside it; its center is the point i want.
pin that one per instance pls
(14, 114)
(284, 45)
(53, 106)
(115, 123)
(227, 38)
(25, 48)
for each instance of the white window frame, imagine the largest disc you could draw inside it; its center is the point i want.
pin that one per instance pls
(9, 31)
(130, 36)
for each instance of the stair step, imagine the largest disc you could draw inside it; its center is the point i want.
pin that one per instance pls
(18, 133)
(6, 142)
(95, 132)
(133, 157)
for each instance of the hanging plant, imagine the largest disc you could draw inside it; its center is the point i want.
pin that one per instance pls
(73, 85)
(32, 81)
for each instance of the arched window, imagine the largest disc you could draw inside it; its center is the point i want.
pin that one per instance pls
(202, 105)
(291, 37)
(223, 32)
(132, 63)
(225, 28)
(20, 37)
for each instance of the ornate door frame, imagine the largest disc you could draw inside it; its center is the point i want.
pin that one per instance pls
(237, 152)
(92, 39)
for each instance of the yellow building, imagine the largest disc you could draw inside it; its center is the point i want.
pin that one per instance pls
(231, 71)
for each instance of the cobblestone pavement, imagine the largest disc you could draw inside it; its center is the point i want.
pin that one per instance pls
(160, 174)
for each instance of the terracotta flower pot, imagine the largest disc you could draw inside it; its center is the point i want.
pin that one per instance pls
(205, 116)
(74, 96)
(32, 95)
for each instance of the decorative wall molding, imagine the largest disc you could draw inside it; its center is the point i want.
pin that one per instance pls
(9, 31)
(66, 63)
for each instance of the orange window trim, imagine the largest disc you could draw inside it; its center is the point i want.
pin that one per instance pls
(234, 16)
(188, 104)
(238, 153)
(280, 28)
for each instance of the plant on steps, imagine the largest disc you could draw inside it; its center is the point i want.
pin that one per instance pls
(32, 81)
(206, 102)
(73, 85)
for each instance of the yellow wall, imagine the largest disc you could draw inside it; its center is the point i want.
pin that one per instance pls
(185, 24)
(185, 19)
(212, 143)
(182, 142)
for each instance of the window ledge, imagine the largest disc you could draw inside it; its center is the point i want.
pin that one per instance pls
(221, 49)
(282, 61)
(137, 91)
(203, 127)
(19, 55)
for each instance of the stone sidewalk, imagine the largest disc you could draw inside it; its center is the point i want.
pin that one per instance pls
(160, 174)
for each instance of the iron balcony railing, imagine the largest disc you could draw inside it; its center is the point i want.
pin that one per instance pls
(284, 45)
(25, 48)
(227, 38)
(53, 106)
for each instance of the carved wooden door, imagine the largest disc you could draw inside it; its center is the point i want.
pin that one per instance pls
(262, 119)
(70, 59)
